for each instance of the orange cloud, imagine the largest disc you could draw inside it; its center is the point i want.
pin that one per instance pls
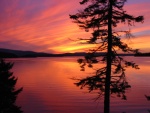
(45, 25)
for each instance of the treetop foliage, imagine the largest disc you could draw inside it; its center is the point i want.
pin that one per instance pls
(8, 93)
(94, 17)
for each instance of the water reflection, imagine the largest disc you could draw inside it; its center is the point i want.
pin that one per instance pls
(114, 83)
(8, 92)
(118, 84)
(48, 89)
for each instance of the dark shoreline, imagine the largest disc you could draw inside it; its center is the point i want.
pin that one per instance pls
(8, 53)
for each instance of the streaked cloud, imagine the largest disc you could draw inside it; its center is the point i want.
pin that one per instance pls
(44, 25)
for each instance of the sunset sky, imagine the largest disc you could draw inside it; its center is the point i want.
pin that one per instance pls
(45, 26)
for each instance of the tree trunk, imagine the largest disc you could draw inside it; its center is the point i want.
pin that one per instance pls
(109, 61)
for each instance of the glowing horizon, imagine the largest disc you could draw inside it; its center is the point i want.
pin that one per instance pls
(45, 26)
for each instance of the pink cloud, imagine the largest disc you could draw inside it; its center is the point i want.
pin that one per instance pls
(46, 23)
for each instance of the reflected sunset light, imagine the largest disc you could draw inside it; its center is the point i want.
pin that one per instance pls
(47, 86)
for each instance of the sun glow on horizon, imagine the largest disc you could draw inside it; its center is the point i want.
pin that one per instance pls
(46, 26)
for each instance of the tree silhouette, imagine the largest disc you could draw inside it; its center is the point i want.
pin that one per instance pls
(8, 93)
(101, 17)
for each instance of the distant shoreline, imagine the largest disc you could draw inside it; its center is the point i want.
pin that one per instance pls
(8, 53)
(142, 55)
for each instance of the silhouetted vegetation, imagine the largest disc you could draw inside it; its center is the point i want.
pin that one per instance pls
(148, 99)
(101, 17)
(142, 54)
(8, 92)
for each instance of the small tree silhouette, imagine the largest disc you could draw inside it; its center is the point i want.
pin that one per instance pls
(8, 93)
(101, 17)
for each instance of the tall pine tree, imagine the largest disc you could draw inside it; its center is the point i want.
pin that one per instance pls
(101, 17)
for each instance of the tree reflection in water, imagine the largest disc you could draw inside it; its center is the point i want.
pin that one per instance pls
(97, 82)
(118, 83)
(8, 92)
(148, 99)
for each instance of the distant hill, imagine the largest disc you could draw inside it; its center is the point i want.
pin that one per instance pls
(16, 52)
(8, 53)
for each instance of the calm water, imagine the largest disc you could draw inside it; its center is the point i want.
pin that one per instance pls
(49, 89)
